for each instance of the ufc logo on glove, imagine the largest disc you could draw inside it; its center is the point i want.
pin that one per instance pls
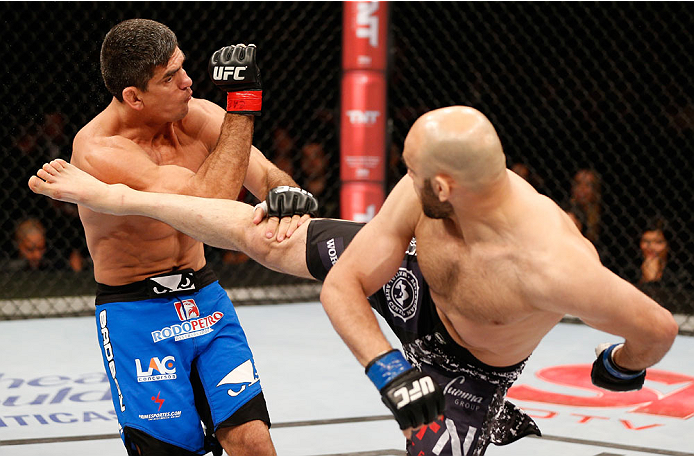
(223, 73)
(420, 388)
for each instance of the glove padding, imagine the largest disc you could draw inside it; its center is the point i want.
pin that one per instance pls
(608, 375)
(233, 69)
(285, 201)
(413, 397)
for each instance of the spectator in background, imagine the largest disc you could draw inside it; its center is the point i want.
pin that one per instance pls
(529, 175)
(42, 247)
(585, 204)
(30, 238)
(67, 235)
(284, 150)
(52, 136)
(522, 170)
(314, 177)
(658, 272)
(574, 218)
(314, 168)
(657, 266)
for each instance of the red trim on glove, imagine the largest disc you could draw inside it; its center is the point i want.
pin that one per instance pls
(251, 101)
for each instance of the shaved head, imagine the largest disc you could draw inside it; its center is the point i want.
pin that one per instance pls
(458, 141)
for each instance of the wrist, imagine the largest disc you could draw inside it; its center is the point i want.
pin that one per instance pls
(386, 367)
(615, 368)
(245, 102)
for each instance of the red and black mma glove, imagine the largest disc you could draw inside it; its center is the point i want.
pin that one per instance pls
(608, 375)
(413, 397)
(233, 69)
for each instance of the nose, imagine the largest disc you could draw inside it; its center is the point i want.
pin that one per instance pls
(186, 81)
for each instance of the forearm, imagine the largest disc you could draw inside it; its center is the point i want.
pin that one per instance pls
(646, 349)
(351, 315)
(223, 172)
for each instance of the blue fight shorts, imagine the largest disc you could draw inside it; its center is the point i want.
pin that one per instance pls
(174, 351)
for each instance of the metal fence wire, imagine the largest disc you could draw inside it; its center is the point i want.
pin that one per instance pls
(593, 103)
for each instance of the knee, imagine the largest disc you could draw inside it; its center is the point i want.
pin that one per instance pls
(251, 438)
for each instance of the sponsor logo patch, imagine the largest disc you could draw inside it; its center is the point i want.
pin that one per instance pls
(171, 283)
(159, 415)
(187, 309)
(242, 376)
(187, 329)
(156, 369)
(402, 293)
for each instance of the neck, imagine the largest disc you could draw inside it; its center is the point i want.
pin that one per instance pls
(479, 214)
(136, 125)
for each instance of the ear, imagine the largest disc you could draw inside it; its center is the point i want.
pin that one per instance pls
(131, 96)
(442, 186)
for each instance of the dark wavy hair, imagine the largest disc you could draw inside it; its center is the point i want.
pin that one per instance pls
(131, 52)
(658, 223)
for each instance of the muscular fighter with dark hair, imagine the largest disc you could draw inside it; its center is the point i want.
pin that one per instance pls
(181, 372)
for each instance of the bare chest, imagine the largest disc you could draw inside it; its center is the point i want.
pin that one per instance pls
(189, 155)
(476, 284)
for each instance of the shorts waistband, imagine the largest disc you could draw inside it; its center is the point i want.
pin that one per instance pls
(184, 281)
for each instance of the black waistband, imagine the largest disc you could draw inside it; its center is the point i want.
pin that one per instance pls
(184, 281)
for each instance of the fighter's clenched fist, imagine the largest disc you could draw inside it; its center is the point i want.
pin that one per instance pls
(234, 70)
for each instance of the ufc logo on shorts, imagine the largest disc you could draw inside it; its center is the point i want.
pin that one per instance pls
(223, 73)
(420, 388)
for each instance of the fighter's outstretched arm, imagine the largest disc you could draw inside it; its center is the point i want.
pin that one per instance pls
(370, 260)
(608, 303)
(219, 223)
(576, 283)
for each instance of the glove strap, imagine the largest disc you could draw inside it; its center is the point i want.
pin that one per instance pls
(612, 367)
(386, 367)
(245, 102)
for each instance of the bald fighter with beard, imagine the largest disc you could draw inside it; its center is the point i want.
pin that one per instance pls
(468, 264)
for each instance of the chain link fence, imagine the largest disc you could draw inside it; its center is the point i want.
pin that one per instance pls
(593, 103)
(50, 53)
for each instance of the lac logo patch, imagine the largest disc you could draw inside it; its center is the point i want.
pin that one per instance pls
(402, 293)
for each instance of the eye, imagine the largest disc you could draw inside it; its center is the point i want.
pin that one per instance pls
(185, 282)
(160, 289)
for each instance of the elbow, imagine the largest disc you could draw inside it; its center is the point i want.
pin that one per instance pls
(337, 289)
(673, 329)
(327, 290)
(667, 329)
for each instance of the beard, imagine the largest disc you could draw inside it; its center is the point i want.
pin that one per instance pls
(432, 206)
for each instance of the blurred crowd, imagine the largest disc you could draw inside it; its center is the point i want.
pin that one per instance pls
(46, 235)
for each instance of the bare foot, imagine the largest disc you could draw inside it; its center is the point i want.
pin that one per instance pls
(65, 182)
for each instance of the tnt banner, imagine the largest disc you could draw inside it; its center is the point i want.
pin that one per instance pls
(363, 109)
(363, 137)
(361, 200)
(364, 44)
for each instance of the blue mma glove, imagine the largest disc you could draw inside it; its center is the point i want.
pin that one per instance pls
(414, 398)
(608, 375)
